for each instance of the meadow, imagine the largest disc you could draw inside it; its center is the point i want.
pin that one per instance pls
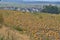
(17, 25)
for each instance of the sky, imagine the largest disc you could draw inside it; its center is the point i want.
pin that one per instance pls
(26, 0)
(41, 0)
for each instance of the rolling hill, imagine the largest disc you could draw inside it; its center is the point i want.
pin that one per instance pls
(35, 26)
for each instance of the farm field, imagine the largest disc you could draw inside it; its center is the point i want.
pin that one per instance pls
(17, 25)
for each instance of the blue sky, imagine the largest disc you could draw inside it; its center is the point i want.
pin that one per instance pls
(11, 0)
(41, 0)
(26, 0)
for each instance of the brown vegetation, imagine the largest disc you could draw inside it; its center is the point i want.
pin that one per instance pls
(40, 26)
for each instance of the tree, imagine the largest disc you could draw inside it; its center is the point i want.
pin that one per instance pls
(50, 9)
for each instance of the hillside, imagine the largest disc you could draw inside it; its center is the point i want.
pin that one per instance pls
(36, 26)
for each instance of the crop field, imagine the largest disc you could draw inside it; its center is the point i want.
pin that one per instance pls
(17, 25)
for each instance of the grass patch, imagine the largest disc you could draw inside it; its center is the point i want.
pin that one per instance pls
(1, 20)
(1, 37)
(18, 28)
(47, 38)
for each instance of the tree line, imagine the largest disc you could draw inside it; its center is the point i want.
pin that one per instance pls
(51, 9)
